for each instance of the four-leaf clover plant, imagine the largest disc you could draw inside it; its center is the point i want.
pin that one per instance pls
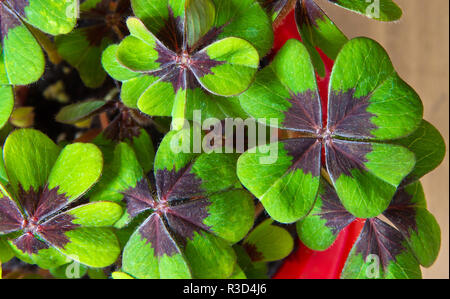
(368, 106)
(37, 211)
(183, 56)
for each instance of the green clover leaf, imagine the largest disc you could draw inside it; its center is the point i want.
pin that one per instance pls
(126, 126)
(316, 28)
(51, 16)
(387, 11)
(118, 162)
(43, 181)
(196, 208)
(382, 250)
(6, 103)
(83, 47)
(318, 31)
(429, 147)
(27, 65)
(186, 56)
(265, 243)
(369, 105)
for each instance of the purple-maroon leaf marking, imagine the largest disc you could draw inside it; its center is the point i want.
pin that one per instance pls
(18, 6)
(381, 239)
(187, 218)
(172, 33)
(253, 252)
(207, 39)
(178, 210)
(124, 125)
(41, 221)
(8, 17)
(139, 198)
(273, 6)
(402, 212)
(42, 203)
(177, 185)
(106, 19)
(333, 211)
(306, 154)
(344, 156)
(28, 243)
(305, 113)
(11, 218)
(155, 231)
(54, 230)
(181, 64)
(348, 116)
(307, 12)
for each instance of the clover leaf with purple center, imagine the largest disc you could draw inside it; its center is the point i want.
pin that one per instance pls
(183, 56)
(194, 209)
(368, 106)
(37, 214)
(382, 250)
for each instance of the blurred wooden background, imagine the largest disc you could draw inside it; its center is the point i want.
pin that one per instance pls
(419, 47)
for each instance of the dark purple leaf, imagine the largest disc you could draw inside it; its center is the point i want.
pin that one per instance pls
(172, 33)
(333, 211)
(154, 231)
(402, 212)
(177, 185)
(179, 69)
(11, 218)
(187, 218)
(106, 19)
(307, 13)
(207, 39)
(53, 230)
(28, 199)
(139, 198)
(348, 116)
(38, 205)
(29, 244)
(123, 127)
(306, 154)
(379, 238)
(166, 58)
(178, 212)
(179, 77)
(344, 156)
(273, 6)
(180, 64)
(17, 5)
(305, 114)
(169, 227)
(201, 64)
(42, 203)
(8, 19)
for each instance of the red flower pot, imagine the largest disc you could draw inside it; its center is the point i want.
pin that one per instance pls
(306, 263)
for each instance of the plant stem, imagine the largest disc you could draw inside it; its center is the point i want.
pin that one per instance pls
(48, 46)
(259, 209)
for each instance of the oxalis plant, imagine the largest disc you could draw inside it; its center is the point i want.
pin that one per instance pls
(23, 23)
(126, 183)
